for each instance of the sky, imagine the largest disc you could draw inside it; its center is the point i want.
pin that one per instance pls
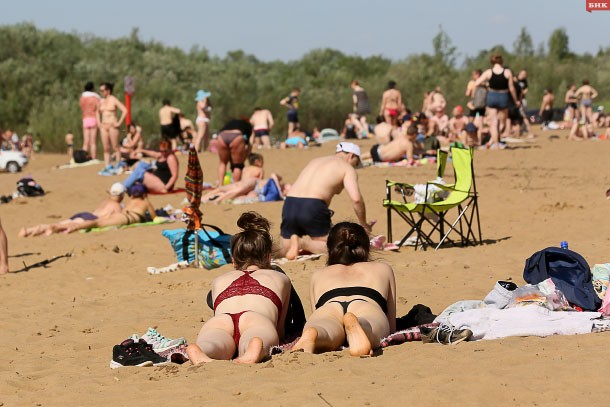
(286, 30)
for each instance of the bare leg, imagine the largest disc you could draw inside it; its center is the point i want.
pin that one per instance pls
(314, 244)
(266, 141)
(324, 331)
(196, 355)
(224, 155)
(105, 135)
(114, 141)
(254, 352)
(293, 248)
(307, 342)
(359, 344)
(238, 156)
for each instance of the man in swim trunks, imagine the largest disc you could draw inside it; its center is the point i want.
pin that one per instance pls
(292, 103)
(306, 212)
(262, 122)
(404, 145)
(586, 93)
(390, 104)
(108, 207)
(168, 115)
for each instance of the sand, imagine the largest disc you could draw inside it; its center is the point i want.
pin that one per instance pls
(59, 324)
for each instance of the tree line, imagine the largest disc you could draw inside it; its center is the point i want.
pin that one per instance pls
(43, 73)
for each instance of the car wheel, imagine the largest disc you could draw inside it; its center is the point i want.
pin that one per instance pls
(13, 167)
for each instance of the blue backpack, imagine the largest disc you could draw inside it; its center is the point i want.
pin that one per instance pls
(569, 271)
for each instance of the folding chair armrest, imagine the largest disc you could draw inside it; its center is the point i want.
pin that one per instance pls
(398, 184)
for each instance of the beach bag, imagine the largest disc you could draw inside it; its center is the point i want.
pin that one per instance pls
(81, 156)
(29, 187)
(479, 98)
(569, 271)
(214, 246)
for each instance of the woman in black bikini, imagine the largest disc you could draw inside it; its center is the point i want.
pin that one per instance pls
(353, 299)
(250, 303)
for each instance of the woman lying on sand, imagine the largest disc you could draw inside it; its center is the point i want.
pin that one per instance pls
(134, 212)
(249, 190)
(250, 303)
(355, 298)
(108, 207)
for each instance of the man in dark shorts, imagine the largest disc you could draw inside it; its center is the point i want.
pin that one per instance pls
(169, 117)
(305, 211)
(292, 103)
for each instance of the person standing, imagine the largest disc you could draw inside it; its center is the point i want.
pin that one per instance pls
(586, 93)
(89, 104)
(501, 88)
(571, 103)
(391, 101)
(204, 113)
(546, 108)
(3, 251)
(292, 103)
(169, 118)
(362, 107)
(109, 125)
(521, 89)
(262, 123)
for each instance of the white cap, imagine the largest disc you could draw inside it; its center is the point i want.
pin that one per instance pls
(117, 189)
(346, 147)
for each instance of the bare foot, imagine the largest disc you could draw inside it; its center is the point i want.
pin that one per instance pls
(293, 250)
(196, 355)
(22, 232)
(307, 342)
(254, 352)
(4, 269)
(48, 231)
(359, 344)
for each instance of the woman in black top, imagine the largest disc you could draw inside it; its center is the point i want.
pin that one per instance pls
(160, 180)
(353, 299)
(501, 88)
(233, 148)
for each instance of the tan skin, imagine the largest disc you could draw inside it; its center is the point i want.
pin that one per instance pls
(391, 99)
(109, 125)
(365, 323)
(131, 146)
(203, 125)
(339, 173)
(235, 152)
(260, 326)
(109, 206)
(3, 251)
(261, 119)
(154, 183)
(90, 106)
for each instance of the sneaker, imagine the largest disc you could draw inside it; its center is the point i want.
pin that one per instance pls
(445, 334)
(108, 171)
(128, 353)
(148, 352)
(159, 342)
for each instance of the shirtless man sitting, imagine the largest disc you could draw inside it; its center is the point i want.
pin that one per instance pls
(108, 207)
(384, 132)
(390, 104)
(134, 212)
(262, 123)
(250, 176)
(305, 211)
(405, 144)
(457, 123)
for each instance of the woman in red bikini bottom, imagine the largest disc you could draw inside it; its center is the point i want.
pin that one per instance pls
(250, 303)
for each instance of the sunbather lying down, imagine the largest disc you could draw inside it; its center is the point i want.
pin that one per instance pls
(249, 190)
(135, 211)
(109, 206)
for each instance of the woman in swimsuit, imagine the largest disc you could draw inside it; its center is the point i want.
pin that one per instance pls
(160, 180)
(132, 143)
(501, 89)
(90, 103)
(353, 299)
(250, 303)
(109, 125)
(204, 111)
(233, 147)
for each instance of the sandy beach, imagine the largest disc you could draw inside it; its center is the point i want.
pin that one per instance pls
(59, 323)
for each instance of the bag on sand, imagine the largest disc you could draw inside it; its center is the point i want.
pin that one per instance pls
(29, 187)
(81, 156)
(214, 246)
(569, 271)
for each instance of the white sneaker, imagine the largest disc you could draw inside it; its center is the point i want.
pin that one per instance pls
(159, 342)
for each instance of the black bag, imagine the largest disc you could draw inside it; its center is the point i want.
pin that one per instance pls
(569, 271)
(29, 187)
(81, 156)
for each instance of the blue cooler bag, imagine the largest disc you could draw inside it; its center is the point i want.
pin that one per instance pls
(214, 246)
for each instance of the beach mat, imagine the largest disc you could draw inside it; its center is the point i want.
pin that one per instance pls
(159, 220)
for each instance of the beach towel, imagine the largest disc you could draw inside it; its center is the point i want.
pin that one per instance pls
(301, 257)
(173, 191)
(73, 164)
(158, 220)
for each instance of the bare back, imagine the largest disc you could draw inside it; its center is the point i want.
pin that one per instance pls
(107, 207)
(395, 150)
(261, 119)
(166, 114)
(384, 133)
(322, 179)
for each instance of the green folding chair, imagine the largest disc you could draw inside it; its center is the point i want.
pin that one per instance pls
(431, 221)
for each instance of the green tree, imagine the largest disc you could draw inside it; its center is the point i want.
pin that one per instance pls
(444, 50)
(558, 44)
(523, 45)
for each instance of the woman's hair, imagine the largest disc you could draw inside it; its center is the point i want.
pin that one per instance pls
(347, 243)
(585, 81)
(253, 245)
(89, 86)
(496, 59)
(109, 86)
(164, 145)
